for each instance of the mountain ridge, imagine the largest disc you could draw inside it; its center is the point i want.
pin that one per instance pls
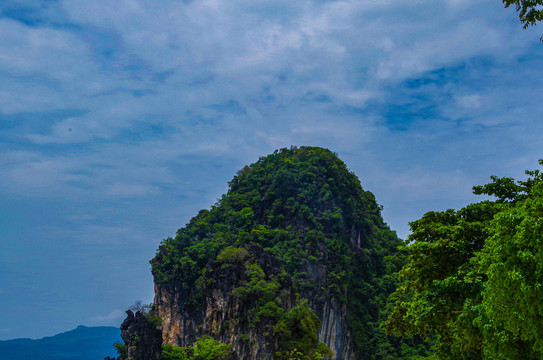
(81, 343)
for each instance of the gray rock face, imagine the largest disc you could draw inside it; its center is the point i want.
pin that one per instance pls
(226, 319)
(142, 337)
(222, 315)
(334, 331)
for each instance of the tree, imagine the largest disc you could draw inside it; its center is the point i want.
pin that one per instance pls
(529, 13)
(513, 262)
(474, 277)
(208, 348)
(171, 352)
(205, 348)
(297, 335)
(440, 283)
(121, 349)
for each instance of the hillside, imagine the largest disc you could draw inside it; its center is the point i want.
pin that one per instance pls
(82, 343)
(294, 259)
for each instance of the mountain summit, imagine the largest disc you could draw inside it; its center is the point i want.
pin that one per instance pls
(294, 261)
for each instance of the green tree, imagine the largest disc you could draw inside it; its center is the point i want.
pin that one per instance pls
(440, 281)
(513, 261)
(171, 352)
(474, 277)
(297, 335)
(121, 349)
(207, 348)
(530, 11)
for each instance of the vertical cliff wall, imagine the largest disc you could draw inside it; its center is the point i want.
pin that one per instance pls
(226, 313)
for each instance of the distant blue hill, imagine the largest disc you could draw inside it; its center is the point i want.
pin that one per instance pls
(83, 343)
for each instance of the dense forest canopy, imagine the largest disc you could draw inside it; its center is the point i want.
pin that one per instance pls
(473, 283)
(306, 208)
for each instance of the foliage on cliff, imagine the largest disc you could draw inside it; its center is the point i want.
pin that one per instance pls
(205, 348)
(265, 292)
(474, 277)
(307, 209)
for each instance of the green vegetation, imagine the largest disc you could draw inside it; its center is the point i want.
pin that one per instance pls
(232, 255)
(121, 349)
(155, 320)
(306, 208)
(473, 283)
(296, 332)
(171, 352)
(264, 291)
(205, 348)
(209, 349)
(296, 229)
(530, 11)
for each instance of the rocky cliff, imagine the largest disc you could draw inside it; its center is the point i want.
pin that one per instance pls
(226, 314)
(294, 259)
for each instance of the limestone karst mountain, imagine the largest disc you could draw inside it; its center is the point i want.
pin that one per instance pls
(295, 261)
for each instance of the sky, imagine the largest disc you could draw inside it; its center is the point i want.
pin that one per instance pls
(119, 120)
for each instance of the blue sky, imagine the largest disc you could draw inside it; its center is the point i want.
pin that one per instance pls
(119, 120)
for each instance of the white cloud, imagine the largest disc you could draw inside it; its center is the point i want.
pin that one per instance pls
(115, 315)
(167, 99)
(345, 50)
(44, 69)
(449, 45)
(292, 67)
(470, 101)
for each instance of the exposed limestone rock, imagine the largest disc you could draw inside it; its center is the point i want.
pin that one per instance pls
(226, 319)
(223, 316)
(334, 331)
